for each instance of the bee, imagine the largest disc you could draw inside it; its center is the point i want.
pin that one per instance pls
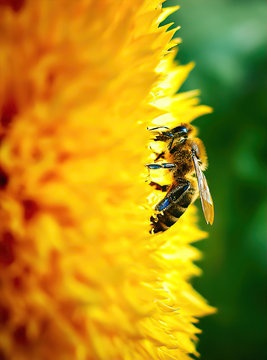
(185, 157)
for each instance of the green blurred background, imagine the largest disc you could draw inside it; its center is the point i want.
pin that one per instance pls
(227, 40)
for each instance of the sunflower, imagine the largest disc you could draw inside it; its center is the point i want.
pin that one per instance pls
(80, 275)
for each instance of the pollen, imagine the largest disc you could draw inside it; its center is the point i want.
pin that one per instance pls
(80, 275)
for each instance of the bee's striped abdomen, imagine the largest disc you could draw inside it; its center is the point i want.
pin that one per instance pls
(175, 209)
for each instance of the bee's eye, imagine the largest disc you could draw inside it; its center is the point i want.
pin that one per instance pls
(182, 130)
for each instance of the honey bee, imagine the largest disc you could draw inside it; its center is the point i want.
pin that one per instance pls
(185, 157)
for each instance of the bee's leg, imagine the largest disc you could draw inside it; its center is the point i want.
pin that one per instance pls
(159, 156)
(161, 166)
(157, 186)
(176, 192)
(180, 196)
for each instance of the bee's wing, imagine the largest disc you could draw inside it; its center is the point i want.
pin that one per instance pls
(204, 193)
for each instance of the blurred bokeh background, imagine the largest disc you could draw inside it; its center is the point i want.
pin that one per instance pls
(227, 40)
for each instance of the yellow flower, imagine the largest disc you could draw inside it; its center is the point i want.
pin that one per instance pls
(80, 275)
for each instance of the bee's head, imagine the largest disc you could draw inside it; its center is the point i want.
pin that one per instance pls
(179, 134)
(182, 131)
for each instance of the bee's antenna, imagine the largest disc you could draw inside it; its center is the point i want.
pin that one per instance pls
(157, 128)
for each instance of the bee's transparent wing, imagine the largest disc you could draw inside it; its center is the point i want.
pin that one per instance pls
(204, 193)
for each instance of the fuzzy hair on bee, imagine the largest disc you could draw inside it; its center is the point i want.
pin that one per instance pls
(184, 155)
